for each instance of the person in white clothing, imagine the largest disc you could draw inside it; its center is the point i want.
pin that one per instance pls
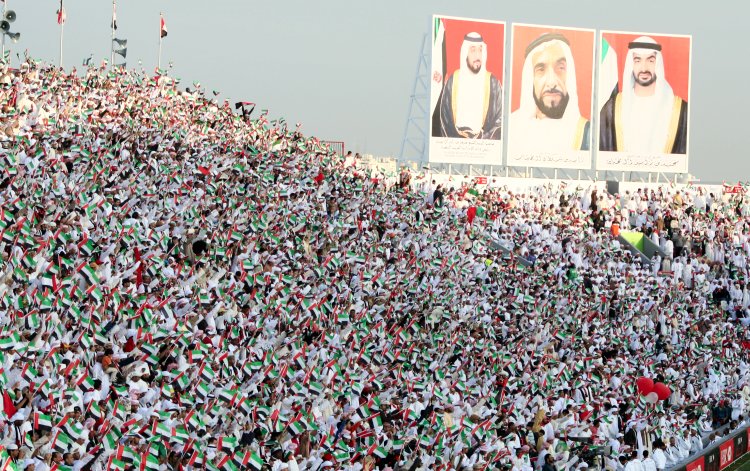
(634, 464)
(660, 458)
(648, 463)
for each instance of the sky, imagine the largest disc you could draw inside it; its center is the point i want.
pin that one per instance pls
(346, 69)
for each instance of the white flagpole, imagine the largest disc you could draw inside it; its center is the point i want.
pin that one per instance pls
(62, 31)
(112, 42)
(161, 17)
(5, 9)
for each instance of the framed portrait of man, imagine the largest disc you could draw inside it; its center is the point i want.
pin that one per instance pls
(551, 93)
(466, 99)
(643, 95)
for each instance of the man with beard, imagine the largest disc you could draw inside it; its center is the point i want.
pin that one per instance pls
(549, 119)
(646, 116)
(471, 105)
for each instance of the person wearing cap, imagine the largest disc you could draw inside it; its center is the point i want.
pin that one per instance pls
(14, 453)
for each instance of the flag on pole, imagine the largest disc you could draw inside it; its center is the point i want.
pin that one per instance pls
(114, 17)
(162, 26)
(61, 14)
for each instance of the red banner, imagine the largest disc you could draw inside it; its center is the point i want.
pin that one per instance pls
(726, 454)
(736, 189)
(697, 465)
(480, 180)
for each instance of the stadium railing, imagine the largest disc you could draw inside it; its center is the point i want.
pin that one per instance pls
(718, 456)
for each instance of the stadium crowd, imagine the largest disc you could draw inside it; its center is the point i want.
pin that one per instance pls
(187, 288)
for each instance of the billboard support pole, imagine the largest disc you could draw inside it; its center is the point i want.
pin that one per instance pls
(416, 131)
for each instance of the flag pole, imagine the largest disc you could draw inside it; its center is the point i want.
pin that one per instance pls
(161, 16)
(112, 42)
(5, 9)
(62, 31)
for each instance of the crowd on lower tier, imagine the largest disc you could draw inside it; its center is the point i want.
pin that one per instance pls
(184, 288)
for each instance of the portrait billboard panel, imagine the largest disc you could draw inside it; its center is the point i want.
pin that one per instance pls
(466, 97)
(643, 94)
(551, 87)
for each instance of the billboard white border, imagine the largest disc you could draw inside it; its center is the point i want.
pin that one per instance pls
(585, 158)
(494, 147)
(605, 160)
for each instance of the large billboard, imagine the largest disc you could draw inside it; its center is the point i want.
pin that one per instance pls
(552, 75)
(468, 58)
(643, 95)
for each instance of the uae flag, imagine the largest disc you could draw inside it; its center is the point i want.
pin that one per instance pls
(255, 462)
(61, 14)
(42, 421)
(439, 64)
(608, 75)
(162, 27)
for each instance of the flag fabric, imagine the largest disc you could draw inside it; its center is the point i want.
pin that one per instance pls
(61, 16)
(438, 66)
(608, 75)
(162, 27)
(8, 407)
(114, 17)
(42, 421)
(61, 442)
(256, 462)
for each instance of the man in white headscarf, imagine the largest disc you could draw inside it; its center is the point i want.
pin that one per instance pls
(471, 105)
(646, 116)
(549, 119)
